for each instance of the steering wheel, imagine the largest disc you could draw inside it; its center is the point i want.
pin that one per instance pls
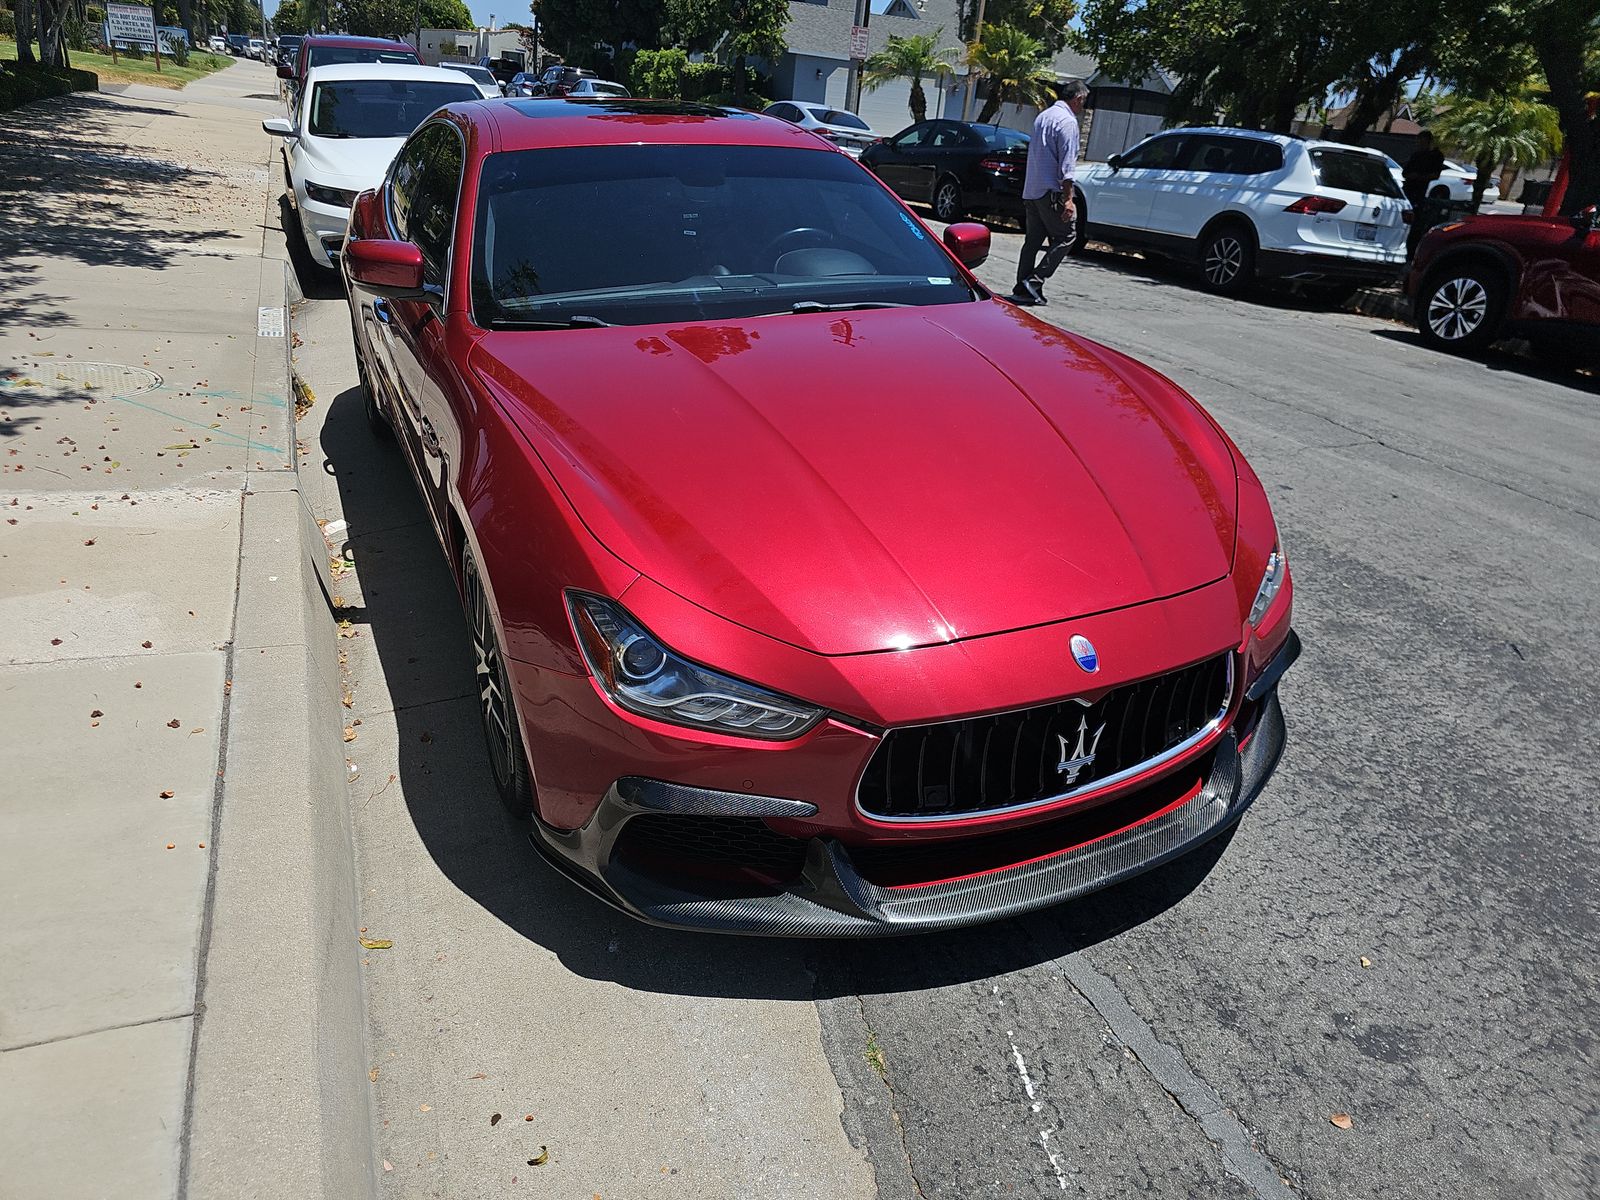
(795, 239)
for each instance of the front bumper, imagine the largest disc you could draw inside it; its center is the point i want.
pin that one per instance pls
(324, 227)
(832, 897)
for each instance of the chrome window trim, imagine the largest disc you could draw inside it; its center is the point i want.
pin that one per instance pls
(455, 224)
(1093, 788)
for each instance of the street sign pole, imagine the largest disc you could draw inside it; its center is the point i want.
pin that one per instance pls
(858, 55)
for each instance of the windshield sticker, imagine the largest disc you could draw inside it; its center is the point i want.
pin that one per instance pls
(914, 226)
(938, 279)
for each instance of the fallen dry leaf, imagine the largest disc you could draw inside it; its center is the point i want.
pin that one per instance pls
(1365, 961)
(373, 1074)
(479, 1075)
(377, 943)
(146, 645)
(172, 845)
(387, 1165)
(349, 734)
(174, 723)
(96, 713)
(424, 1108)
(541, 1158)
(529, 1117)
(55, 641)
(1342, 1120)
(494, 1120)
(167, 795)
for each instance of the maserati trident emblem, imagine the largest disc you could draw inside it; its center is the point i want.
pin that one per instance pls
(1084, 652)
(1075, 759)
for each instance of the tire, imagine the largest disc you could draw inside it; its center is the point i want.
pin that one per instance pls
(497, 707)
(1439, 192)
(1459, 307)
(377, 419)
(946, 200)
(1080, 230)
(1228, 259)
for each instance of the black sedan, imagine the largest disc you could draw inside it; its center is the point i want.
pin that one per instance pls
(954, 167)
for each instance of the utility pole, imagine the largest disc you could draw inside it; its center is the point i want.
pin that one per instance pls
(852, 91)
(972, 80)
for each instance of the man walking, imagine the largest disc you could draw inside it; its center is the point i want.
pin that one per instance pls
(1047, 204)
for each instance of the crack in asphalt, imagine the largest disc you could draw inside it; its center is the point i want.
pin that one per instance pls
(1241, 1157)
(894, 1104)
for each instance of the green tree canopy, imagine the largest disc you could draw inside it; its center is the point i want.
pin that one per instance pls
(396, 18)
(1015, 67)
(1510, 128)
(910, 58)
(578, 29)
(754, 29)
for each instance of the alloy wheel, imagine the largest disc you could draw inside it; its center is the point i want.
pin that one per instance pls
(1224, 257)
(494, 691)
(947, 201)
(1457, 308)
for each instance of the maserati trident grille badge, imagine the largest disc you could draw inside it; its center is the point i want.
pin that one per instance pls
(1075, 758)
(1084, 652)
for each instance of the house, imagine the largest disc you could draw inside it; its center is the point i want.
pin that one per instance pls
(465, 45)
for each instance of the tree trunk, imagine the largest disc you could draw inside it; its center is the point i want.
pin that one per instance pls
(738, 79)
(991, 106)
(1379, 94)
(1562, 60)
(23, 14)
(1482, 179)
(186, 18)
(919, 101)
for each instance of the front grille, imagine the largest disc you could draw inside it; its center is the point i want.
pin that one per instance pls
(1014, 759)
(723, 843)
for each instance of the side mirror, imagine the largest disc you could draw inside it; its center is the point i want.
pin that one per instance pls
(1115, 163)
(969, 242)
(285, 71)
(279, 127)
(389, 269)
(1587, 219)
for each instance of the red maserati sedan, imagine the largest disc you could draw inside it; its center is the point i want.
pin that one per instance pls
(815, 590)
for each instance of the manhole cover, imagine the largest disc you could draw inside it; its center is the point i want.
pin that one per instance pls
(114, 379)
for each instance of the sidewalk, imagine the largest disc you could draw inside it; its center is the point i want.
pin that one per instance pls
(175, 1008)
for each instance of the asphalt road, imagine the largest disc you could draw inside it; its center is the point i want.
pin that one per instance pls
(1403, 929)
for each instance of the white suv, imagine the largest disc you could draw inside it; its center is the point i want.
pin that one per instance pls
(1246, 205)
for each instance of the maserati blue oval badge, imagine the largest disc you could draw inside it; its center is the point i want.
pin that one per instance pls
(1083, 651)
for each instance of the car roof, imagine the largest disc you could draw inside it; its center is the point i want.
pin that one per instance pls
(400, 71)
(350, 41)
(542, 123)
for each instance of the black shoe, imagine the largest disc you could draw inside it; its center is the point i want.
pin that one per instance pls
(1034, 290)
(1021, 300)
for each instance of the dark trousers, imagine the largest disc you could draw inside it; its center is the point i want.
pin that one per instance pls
(1044, 222)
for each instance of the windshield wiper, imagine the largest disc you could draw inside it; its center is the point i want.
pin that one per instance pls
(806, 306)
(579, 321)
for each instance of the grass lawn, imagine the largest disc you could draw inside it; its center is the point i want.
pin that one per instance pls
(135, 70)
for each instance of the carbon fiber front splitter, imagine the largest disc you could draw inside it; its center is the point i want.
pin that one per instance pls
(831, 899)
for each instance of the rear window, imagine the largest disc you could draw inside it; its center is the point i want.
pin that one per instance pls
(608, 89)
(1349, 171)
(335, 56)
(845, 120)
(481, 74)
(1005, 139)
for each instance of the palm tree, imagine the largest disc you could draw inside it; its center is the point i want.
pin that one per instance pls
(1015, 66)
(909, 58)
(1510, 128)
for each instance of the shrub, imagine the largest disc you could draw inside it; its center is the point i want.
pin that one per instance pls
(8, 23)
(702, 79)
(659, 74)
(178, 51)
(20, 85)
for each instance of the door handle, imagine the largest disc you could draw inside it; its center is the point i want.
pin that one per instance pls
(381, 310)
(430, 439)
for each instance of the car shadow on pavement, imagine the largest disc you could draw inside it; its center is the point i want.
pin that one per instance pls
(1511, 357)
(413, 615)
(1163, 272)
(316, 283)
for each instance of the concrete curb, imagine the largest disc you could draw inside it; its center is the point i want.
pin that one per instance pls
(279, 1098)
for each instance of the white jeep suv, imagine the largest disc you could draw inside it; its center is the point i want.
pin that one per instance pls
(1245, 205)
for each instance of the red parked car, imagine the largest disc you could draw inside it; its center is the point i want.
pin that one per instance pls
(815, 590)
(1486, 277)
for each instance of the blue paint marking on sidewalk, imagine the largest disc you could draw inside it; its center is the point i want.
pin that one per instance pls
(247, 442)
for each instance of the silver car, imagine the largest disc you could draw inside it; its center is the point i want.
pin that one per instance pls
(844, 129)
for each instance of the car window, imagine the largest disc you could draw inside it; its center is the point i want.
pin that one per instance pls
(844, 120)
(1265, 158)
(948, 135)
(334, 56)
(783, 112)
(379, 108)
(427, 181)
(642, 234)
(998, 138)
(1215, 154)
(1157, 154)
(913, 137)
(608, 89)
(1352, 171)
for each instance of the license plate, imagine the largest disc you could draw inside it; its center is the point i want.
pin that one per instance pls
(1366, 233)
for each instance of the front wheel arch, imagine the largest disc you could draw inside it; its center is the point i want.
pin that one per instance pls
(1249, 242)
(1497, 284)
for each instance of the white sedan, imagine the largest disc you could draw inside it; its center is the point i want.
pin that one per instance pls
(488, 85)
(347, 128)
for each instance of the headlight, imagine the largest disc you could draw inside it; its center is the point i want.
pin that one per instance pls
(328, 195)
(644, 677)
(1271, 581)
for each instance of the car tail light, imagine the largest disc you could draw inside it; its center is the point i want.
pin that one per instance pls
(1314, 204)
(1005, 165)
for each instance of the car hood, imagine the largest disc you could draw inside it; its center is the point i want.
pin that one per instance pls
(880, 479)
(354, 164)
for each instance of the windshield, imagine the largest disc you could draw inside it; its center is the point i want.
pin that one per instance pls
(997, 138)
(379, 108)
(334, 56)
(633, 235)
(1349, 171)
